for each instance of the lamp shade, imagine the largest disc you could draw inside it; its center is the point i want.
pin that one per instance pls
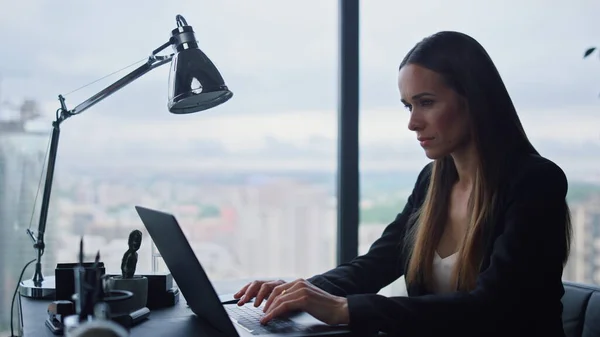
(195, 84)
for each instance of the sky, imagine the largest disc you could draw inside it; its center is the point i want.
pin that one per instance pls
(280, 59)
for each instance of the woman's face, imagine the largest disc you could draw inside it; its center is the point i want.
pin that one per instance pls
(438, 115)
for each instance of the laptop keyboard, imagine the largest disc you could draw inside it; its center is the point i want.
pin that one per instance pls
(249, 316)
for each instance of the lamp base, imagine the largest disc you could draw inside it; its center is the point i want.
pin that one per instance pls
(45, 291)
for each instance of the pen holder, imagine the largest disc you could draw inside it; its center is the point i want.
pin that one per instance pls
(114, 299)
(137, 285)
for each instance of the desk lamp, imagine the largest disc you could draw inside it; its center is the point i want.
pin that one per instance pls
(195, 84)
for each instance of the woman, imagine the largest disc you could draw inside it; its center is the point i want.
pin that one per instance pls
(485, 234)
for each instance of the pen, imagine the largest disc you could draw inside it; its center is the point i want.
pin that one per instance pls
(80, 275)
(97, 286)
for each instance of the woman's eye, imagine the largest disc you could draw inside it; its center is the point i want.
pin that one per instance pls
(421, 103)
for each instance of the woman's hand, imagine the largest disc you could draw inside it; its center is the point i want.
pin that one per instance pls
(258, 289)
(301, 295)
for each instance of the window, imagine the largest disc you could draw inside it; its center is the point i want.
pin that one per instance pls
(252, 182)
(538, 51)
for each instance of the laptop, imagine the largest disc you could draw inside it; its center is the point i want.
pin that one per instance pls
(230, 319)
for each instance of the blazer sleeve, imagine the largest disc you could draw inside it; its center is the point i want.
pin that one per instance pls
(380, 265)
(525, 270)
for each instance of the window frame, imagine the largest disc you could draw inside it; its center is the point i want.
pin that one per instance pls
(348, 174)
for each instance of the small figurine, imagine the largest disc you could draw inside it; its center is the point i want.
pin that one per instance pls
(130, 258)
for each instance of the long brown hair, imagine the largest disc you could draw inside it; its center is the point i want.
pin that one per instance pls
(497, 134)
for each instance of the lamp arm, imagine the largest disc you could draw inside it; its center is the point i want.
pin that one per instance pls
(154, 61)
(62, 114)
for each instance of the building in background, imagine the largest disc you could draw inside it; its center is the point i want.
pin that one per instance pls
(21, 165)
(285, 228)
(584, 262)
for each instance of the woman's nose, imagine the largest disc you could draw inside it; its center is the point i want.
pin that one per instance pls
(414, 122)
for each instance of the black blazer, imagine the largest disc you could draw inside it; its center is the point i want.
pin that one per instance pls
(519, 288)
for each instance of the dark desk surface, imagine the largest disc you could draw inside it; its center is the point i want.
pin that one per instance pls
(175, 321)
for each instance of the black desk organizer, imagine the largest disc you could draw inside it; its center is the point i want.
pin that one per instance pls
(161, 294)
(64, 304)
(65, 278)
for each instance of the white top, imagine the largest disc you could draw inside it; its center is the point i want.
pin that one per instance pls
(442, 272)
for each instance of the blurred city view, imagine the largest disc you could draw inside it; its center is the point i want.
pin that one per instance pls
(273, 224)
(253, 183)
